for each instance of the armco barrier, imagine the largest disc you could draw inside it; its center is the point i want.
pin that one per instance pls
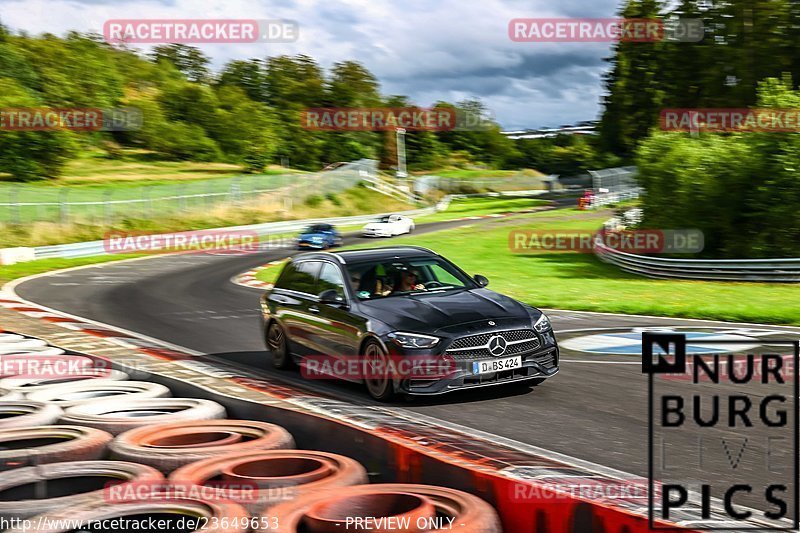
(775, 270)
(395, 445)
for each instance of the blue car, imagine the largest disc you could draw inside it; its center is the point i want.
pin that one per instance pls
(319, 236)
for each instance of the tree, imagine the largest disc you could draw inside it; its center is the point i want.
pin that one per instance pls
(187, 59)
(634, 96)
(739, 189)
(351, 85)
(294, 82)
(31, 155)
(248, 76)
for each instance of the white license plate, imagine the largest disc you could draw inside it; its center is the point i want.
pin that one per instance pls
(497, 365)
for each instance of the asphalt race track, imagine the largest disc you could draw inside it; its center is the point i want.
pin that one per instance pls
(595, 409)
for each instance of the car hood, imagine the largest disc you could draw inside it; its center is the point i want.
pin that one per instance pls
(433, 312)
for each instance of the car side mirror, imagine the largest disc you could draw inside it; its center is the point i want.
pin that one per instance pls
(331, 297)
(481, 280)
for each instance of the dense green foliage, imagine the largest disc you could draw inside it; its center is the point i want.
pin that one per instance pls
(247, 114)
(744, 42)
(739, 188)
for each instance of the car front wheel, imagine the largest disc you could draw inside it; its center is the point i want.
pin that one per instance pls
(379, 382)
(278, 346)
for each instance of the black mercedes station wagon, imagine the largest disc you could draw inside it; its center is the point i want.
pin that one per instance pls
(388, 305)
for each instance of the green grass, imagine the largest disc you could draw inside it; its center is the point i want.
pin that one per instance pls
(135, 176)
(478, 173)
(579, 281)
(466, 207)
(29, 268)
(270, 208)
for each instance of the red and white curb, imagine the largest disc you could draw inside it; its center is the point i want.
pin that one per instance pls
(249, 279)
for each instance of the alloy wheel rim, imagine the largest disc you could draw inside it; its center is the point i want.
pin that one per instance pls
(376, 385)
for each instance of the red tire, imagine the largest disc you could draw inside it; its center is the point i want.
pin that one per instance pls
(169, 446)
(210, 516)
(60, 485)
(327, 510)
(258, 480)
(51, 444)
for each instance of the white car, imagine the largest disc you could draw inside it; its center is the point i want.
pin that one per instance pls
(389, 226)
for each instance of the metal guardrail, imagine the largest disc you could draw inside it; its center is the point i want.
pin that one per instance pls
(775, 270)
(609, 198)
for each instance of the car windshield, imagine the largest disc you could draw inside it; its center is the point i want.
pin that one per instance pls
(317, 228)
(383, 220)
(383, 279)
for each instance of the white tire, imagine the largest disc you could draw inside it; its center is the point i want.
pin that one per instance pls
(8, 396)
(44, 352)
(30, 385)
(118, 416)
(21, 346)
(25, 413)
(40, 445)
(90, 390)
(63, 485)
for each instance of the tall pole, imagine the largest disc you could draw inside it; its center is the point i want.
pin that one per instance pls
(401, 154)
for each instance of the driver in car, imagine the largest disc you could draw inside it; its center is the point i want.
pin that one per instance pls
(408, 282)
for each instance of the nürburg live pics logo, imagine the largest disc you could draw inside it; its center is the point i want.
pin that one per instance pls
(722, 439)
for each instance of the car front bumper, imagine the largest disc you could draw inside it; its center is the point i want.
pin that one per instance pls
(309, 244)
(541, 363)
(376, 233)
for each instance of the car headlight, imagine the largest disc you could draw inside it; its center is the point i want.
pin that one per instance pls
(543, 324)
(413, 340)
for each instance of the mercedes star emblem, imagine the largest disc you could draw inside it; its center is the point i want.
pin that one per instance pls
(497, 345)
(491, 323)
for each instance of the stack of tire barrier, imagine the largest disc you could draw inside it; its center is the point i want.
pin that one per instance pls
(96, 448)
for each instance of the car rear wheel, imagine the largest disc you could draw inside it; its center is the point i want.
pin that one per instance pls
(379, 383)
(278, 345)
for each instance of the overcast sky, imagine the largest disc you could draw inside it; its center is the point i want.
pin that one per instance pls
(428, 49)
